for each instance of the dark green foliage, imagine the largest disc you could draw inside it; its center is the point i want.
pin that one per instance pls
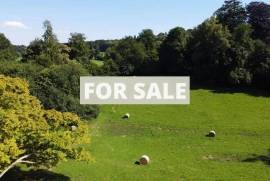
(99, 46)
(92, 68)
(7, 51)
(130, 55)
(160, 38)
(208, 52)
(52, 76)
(172, 52)
(110, 68)
(259, 19)
(150, 42)
(33, 51)
(231, 14)
(58, 87)
(259, 65)
(47, 51)
(24, 70)
(79, 49)
(240, 76)
(20, 49)
(242, 47)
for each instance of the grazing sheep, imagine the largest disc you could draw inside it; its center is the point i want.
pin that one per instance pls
(144, 160)
(211, 134)
(126, 116)
(73, 128)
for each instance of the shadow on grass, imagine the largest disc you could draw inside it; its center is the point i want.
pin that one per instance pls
(16, 174)
(263, 158)
(232, 90)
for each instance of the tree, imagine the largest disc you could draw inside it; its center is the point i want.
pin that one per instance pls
(99, 47)
(79, 49)
(7, 51)
(149, 40)
(58, 87)
(48, 36)
(160, 38)
(208, 52)
(20, 49)
(110, 68)
(44, 137)
(259, 65)
(231, 14)
(242, 45)
(47, 51)
(130, 55)
(53, 51)
(259, 19)
(33, 51)
(172, 52)
(23, 70)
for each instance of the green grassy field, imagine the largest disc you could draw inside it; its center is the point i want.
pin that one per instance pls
(99, 63)
(174, 138)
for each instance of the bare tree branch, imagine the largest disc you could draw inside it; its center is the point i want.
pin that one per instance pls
(20, 160)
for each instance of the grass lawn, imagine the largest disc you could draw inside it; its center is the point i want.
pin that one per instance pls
(99, 63)
(174, 138)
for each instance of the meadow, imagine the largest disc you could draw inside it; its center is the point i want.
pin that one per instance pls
(174, 139)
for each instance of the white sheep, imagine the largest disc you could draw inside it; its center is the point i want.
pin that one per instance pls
(73, 128)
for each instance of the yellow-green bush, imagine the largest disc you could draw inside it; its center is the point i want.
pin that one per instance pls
(26, 128)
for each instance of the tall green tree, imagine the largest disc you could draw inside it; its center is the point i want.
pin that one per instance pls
(242, 46)
(259, 19)
(150, 43)
(47, 51)
(259, 65)
(130, 55)
(33, 50)
(110, 68)
(7, 51)
(208, 51)
(172, 52)
(231, 14)
(53, 51)
(79, 49)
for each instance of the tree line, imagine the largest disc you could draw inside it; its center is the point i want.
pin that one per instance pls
(230, 48)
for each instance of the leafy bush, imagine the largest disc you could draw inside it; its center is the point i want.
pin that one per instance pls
(27, 129)
(58, 87)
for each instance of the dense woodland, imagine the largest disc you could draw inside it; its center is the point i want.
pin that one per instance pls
(231, 48)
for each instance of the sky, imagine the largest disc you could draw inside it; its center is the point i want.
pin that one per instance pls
(21, 20)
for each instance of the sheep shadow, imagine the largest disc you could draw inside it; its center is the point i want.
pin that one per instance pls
(16, 174)
(262, 158)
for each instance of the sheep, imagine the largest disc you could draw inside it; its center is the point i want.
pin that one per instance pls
(73, 128)
(126, 116)
(211, 134)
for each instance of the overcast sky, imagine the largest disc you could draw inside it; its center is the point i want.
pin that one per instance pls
(21, 20)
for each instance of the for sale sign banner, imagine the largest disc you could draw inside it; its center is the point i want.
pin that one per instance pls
(134, 90)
